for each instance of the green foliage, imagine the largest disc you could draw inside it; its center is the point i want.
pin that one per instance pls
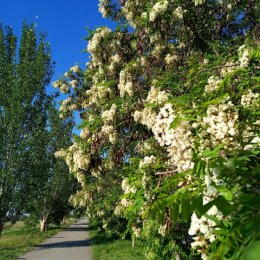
(171, 101)
(23, 102)
(114, 249)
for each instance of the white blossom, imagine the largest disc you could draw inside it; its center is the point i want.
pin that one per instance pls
(147, 161)
(178, 12)
(213, 84)
(243, 54)
(199, 2)
(250, 99)
(158, 9)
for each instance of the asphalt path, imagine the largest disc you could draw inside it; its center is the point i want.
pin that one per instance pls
(71, 244)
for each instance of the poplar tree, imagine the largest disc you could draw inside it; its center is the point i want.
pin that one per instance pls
(24, 76)
(50, 183)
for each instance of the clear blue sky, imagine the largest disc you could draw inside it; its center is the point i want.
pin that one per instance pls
(63, 20)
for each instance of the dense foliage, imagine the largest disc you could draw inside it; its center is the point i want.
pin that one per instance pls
(169, 147)
(32, 180)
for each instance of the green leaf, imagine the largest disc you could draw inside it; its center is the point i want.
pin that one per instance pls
(185, 209)
(225, 192)
(174, 209)
(252, 252)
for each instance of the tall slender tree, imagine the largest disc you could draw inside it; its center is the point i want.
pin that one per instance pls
(50, 183)
(23, 111)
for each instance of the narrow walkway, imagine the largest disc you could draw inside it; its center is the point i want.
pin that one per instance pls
(71, 244)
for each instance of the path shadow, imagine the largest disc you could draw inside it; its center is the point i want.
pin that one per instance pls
(76, 229)
(65, 244)
(80, 224)
(73, 228)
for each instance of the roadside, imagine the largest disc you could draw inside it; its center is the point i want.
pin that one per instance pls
(103, 248)
(72, 243)
(19, 239)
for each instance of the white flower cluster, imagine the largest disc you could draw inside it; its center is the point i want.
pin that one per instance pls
(158, 9)
(143, 147)
(203, 229)
(84, 134)
(126, 202)
(119, 210)
(81, 178)
(63, 86)
(179, 141)
(125, 83)
(147, 161)
(94, 45)
(213, 83)
(81, 160)
(158, 50)
(227, 68)
(155, 37)
(243, 54)
(64, 104)
(100, 213)
(199, 2)
(75, 69)
(114, 62)
(102, 7)
(146, 117)
(219, 126)
(108, 117)
(56, 84)
(127, 188)
(97, 94)
(170, 59)
(181, 145)
(157, 96)
(251, 136)
(73, 83)
(161, 127)
(250, 99)
(96, 171)
(129, 10)
(178, 12)
(255, 141)
(80, 199)
(136, 231)
(67, 107)
(75, 158)
(109, 131)
(162, 230)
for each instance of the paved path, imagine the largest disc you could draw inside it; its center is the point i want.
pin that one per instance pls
(71, 244)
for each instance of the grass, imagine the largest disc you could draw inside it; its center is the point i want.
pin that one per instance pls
(18, 239)
(114, 249)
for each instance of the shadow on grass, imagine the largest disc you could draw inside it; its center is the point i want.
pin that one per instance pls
(100, 238)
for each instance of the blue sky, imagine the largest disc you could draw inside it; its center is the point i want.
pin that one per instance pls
(64, 21)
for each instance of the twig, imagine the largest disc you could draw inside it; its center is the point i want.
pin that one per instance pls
(217, 67)
(164, 173)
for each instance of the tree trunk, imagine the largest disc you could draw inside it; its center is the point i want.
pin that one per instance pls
(44, 224)
(1, 226)
(133, 242)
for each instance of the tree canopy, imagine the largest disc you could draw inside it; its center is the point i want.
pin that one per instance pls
(30, 130)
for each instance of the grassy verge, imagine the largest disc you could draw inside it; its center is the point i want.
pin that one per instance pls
(112, 249)
(18, 239)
